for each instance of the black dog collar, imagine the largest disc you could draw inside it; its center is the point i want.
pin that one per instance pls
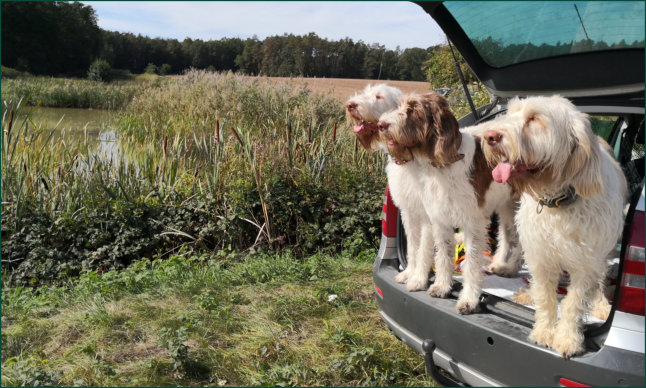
(559, 201)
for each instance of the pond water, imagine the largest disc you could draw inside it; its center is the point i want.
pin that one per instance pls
(94, 127)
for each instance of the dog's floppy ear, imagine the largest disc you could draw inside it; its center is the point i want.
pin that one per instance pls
(583, 169)
(446, 130)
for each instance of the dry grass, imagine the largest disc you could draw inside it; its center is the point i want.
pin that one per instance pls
(339, 88)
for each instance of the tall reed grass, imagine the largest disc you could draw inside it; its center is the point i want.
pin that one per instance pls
(207, 161)
(70, 93)
(227, 127)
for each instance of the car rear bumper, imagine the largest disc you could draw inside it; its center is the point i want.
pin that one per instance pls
(489, 349)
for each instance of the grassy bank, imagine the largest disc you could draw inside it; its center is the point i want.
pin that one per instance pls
(71, 93)
(207, 320)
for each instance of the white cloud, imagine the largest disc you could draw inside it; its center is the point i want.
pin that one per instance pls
(392, 24)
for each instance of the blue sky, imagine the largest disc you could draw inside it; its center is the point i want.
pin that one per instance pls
(390, 23)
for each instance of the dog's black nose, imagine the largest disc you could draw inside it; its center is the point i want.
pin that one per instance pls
(492, 137)
(383, 126)
(351, 105)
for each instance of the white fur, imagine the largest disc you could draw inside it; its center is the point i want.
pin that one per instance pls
(375, 100)
(406, 183)
(509, 256)
(449, 200)
(406, 189)
(576, 238)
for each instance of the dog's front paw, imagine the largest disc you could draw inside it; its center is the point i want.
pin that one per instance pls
(417, 282)
(601, 308)
(439, 291)
(542, 335)
(466, 306)
(568, 343)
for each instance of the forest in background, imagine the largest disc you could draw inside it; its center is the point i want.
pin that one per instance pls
(63, 39)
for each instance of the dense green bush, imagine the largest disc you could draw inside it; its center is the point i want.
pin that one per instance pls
(150, 69)
(305, 219)
(164, 69)
(99, 71)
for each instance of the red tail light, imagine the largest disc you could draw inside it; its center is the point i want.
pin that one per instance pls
(389, 216)
(631, 292)
(570, 383)
(379, 292)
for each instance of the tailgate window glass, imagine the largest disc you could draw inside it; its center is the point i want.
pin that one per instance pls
(505, 33)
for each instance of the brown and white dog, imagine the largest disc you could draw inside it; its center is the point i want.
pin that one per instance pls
(404, 180)
(571, 208)
(458, 189)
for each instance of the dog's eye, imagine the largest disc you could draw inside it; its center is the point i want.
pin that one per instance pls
(379, 97)
(535, 121)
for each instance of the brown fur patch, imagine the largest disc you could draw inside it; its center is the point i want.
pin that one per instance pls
(523, 297)
(400, 153)
(430, 129)
(481, 176)
(446, 126)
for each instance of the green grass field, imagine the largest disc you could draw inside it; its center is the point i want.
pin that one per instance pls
(255, 206)
(204, 320)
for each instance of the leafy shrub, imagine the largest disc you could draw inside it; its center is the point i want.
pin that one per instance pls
(164, 69)
(173, 340)
(99, 70)
(458, 102)
(10, 73)
(27, 373)
(150, 69)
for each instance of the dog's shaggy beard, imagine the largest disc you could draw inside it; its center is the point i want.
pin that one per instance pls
(363, 111)
(540, 153)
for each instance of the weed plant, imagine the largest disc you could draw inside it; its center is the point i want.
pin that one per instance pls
(207, 163)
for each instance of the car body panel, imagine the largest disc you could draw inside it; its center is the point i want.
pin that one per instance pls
(494, 350)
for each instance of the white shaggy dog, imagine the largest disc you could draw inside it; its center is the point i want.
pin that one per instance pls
(570, 214)
(404, 181)
(456, 183)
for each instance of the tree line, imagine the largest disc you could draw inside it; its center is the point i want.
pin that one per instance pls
(62, 38)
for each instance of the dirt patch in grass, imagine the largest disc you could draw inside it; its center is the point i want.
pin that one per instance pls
(136, 352)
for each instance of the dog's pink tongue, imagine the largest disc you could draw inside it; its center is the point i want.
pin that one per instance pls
(358, 128)
(502, 172)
